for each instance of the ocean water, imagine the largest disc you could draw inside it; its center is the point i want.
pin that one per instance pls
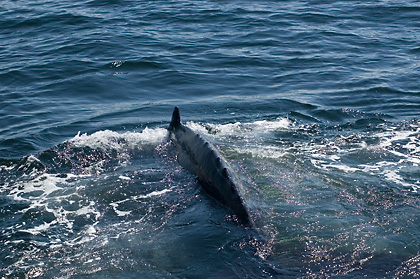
(314, 104)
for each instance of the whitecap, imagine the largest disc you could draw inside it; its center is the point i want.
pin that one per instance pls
(108, 139)
(254, 129)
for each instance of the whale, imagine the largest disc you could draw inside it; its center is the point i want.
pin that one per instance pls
(201, 158)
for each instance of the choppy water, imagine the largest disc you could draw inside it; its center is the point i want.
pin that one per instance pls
(315, 104)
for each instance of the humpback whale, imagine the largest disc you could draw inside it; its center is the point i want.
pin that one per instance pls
(201, 158)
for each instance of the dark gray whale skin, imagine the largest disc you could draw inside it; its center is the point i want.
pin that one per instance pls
(201, 158)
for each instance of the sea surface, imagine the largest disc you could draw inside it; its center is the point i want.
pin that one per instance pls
(314, 104)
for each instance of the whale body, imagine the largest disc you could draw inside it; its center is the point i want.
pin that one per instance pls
(201, 158)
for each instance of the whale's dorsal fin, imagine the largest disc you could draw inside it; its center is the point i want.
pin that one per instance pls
(176, 119)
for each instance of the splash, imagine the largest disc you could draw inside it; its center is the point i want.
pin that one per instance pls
(248, 137)
(249, 129)
(391, 152)
(100, 151)
(113, 140)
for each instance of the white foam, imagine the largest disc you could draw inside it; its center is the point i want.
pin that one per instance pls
(46, 183)
(269, 152)
(123, 177)
(38, 229)
(46, 192)
(269, 126)
(393, 176)
(251, 135)
(390, 138)
(153, 194)
(257, 139)
(374, 168)
(7, 168)
(121, 213)
(403, 144)
(113, 140)
(343, 167)
(249, 129)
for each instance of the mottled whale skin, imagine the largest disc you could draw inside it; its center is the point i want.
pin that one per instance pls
(201, 158)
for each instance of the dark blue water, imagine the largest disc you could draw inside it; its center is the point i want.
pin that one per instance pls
(315, 104)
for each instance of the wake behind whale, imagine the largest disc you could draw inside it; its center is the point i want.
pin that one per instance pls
(214, 174)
